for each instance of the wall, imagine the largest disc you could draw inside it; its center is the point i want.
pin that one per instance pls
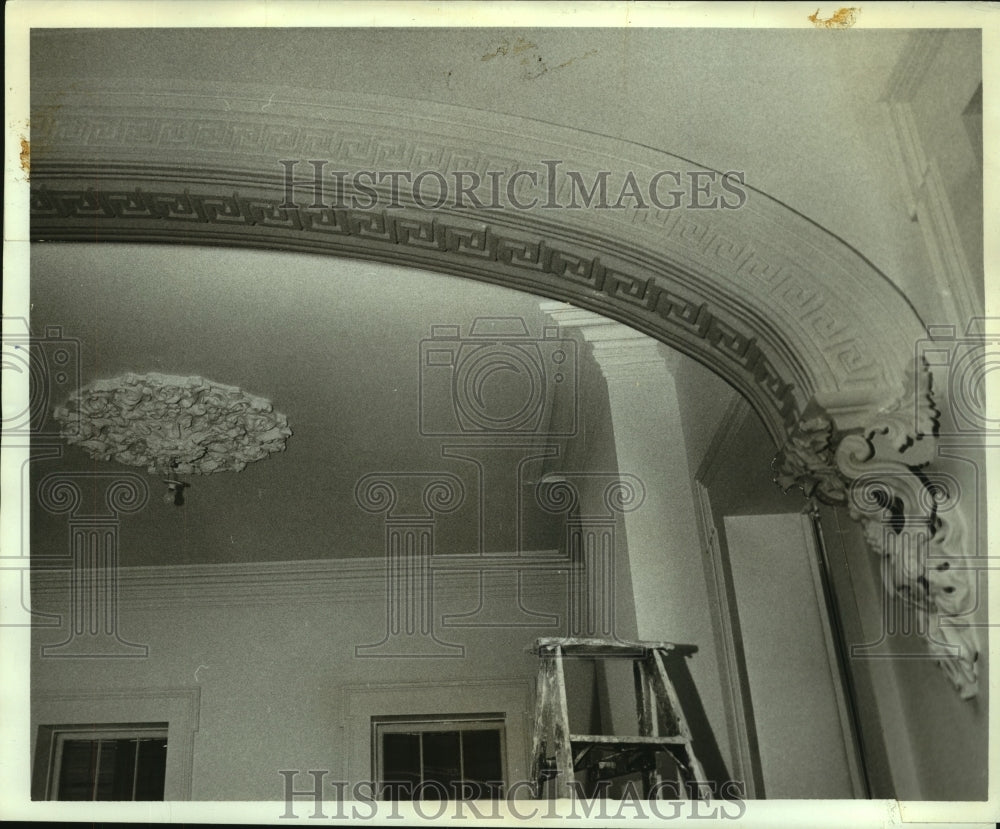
(919, 740)
(929, 742)
(707, 399)
(277, 672)
(935, 743)
(950, 133)
(672, 602)
(264, 652)
(735, 481)
(273, 655)
(788, 660)
(656, 554)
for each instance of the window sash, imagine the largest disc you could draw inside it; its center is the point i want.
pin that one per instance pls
(431, 724)
(100, 734)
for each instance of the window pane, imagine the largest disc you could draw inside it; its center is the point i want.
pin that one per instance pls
(77, 770)
(442, 764)
(482, 763)
(151, 773)
(117, 770)
(400, 765)
(106, 769)
(454, 758)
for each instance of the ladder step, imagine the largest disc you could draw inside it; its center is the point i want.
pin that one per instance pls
(604, 739)
(602, 648)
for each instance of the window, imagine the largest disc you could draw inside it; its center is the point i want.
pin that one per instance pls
(107, 762)
(439, 757)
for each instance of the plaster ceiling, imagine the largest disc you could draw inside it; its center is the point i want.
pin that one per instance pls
(335, 344)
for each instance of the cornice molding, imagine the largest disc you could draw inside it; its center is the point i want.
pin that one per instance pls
(319, 580)
(622, 353)
(918, 54)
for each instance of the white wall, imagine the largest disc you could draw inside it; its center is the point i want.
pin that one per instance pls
(932, 744)
(277, 674)
(792, 684)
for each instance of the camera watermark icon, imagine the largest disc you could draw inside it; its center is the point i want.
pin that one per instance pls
(960, 365)
(52, 365)
(497, 380)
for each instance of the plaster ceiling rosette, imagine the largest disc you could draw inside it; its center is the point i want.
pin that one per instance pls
(180, 425)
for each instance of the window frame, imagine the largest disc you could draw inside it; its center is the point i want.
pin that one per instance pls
(56, 736)
(435, 723)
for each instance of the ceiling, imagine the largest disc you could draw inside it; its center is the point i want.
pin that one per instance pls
(335, 344)
(759, 101)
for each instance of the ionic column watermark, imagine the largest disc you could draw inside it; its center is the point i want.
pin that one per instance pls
(94, 502)
(592, 503)
(411, 502)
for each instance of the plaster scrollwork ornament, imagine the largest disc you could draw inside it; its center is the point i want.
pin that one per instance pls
(909, 515)
(172, 425)
(806, 461)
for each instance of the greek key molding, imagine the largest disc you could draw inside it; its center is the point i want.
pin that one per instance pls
(534, 264)
(909, 513)
(759, 280)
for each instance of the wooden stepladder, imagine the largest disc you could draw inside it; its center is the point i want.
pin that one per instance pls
(558, 754)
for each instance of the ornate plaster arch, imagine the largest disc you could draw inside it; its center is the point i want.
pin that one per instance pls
(779, 307)
(808, 330)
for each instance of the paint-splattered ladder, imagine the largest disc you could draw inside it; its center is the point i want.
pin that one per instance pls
(558, 754)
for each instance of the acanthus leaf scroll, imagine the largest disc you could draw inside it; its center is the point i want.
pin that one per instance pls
(908, 511)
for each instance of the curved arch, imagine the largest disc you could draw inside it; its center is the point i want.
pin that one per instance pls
(783, 310)
(814, 336)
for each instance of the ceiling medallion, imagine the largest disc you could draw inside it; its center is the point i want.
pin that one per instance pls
(173, 426)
